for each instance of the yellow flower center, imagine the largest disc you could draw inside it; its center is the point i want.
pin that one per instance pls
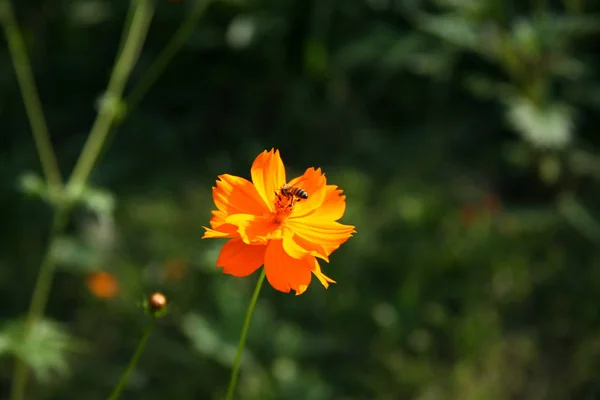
(284, 205)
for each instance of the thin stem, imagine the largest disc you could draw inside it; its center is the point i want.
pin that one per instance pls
(133, 362)
(156, 69)
(44, 280)
(39, 299)
(242, 343)
(33, 105)
(123, 66)
(167, 54)
(109, 108)
(126, 27)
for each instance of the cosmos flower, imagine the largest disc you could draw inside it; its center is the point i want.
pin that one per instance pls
(102, 284)
(280, 229)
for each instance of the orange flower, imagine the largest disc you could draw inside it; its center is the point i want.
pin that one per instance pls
(267, 226)
(102, 284)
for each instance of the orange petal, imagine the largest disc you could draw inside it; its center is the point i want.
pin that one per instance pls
(313, 181)
(235, 195)
(330, 249)
(268, 176)
(298, 247)
(254, 229)
(285, 273)
(218, 218)
(333, 206)
(240, 259)
(329, 234)
(325, 280)
(221, 231)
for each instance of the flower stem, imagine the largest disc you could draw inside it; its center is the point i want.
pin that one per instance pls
(38, 299)
(29, 92)
(125, 61)
(158, 66)
(109, 108)
(133, 362)
(166, 55)
(242, 343)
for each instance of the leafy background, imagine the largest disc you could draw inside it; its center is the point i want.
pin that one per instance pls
(464, 133)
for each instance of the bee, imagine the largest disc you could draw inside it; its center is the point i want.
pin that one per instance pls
(293, 191)
(289, 195)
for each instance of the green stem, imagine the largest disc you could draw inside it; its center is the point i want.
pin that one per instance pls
(151, 75)
(44, 279)
(167, 54)
(110, 106)
(126, 28)
(38, 299)
(33, 106)
(126, 60)
(133, 362)
(242, 343)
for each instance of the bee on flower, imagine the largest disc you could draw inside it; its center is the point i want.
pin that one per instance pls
(288, 195)
(288, 191)
(285, 226)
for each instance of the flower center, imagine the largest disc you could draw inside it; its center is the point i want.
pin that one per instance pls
(284, 205)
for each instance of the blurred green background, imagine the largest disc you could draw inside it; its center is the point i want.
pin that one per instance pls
(464, 133)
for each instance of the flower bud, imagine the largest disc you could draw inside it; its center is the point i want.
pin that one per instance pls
(156, 305)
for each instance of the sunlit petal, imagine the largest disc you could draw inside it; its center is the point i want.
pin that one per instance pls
(268, 175)
(217, 219)
(298, 247)
(221, 231)
(330, 249)
(325, 280)
(325, 233)
(313, 181)
(235, 195)
(240, 259)
(254, 229)
(333, 206)
(285, 273)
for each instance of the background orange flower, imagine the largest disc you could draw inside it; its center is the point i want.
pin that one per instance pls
(102, 284)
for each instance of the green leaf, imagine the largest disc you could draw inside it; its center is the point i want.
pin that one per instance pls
(98, 200)
(74, 254)
(34, 185)
(549, 126)
(45, 349)
(455, 29)
(241, 31)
